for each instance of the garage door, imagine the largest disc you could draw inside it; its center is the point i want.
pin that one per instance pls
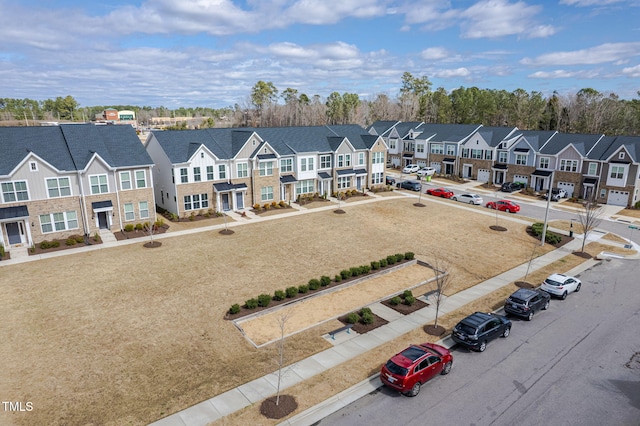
(483, 175)
(423, 163)
(569, 187)
(436, 166)
(618, 198)
(522, 179)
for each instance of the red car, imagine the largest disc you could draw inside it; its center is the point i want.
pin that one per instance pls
(504, 206)
(440, 192)
(407, 371)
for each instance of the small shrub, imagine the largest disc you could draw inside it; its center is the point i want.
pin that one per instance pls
(274, 204)
(409, 255)
(266, 206)
(1, 250)
(637, 205)
(345, 273)
(55, 244)
(325, 281)
(395, 301)
(234, 309)
(264, 300)
(251, 303)
(365, 311)
(279, 295)
(79, 238)
(192, 216)
(314, 284)
(291, 291)
(256, 206)
(282, 204)
(391, 259)
(383, 263)
(355, 271)
(367, 318)
(96, 237)
(375, 265)
(399, 257)
(71, 241)
(139, 227)
(128, 227)
(409, 300)
(303, 289)
(353, 318)
(364, 269)
(337, 278)
(407, 293)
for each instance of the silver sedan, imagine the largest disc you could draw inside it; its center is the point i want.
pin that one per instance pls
(469, 199)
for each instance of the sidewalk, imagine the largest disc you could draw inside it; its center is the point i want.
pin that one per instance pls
(348, 346)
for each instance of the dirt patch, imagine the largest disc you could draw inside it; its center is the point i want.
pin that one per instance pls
(278, 407)
(361, 328)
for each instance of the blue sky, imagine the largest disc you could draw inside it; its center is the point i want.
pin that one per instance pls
(210, 53)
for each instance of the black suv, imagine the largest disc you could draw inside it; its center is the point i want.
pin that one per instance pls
(511, 186)
(476, 330)
(525, 302)
(389, 180)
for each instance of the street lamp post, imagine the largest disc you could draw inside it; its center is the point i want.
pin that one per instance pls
(546, 212)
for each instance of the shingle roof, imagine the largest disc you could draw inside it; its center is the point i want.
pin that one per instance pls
(535, 138)
(69, 147)
(494, 135)
(612, 144)
(381, 127)
(581, 142)
(447, 132)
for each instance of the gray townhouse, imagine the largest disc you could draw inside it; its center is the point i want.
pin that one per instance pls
(75, 179)
(232, 168)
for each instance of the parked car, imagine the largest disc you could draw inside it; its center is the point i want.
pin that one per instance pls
(412, 185)
(526, 302)
(478, 329)
(511, 186)
(561, 285)
(503, 206)
(426, 171)
(440, 192)
(411, 168)
(469, 198)
(389, 180)
(408, 370)
(556, 194)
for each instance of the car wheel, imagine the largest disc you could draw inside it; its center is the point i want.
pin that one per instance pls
(506, 332)
(530, 316)
(470, 202)
(578, 288)
(415, 390)
(455, 199)
(546, 306)
(564, 295)
(507, 210)
(482, 346)
(447, 368)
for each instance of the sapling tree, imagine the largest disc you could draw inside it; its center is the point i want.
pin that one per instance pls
(442, 280)
(589, 217)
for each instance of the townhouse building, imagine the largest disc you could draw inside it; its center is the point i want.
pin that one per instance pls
(230, 169)
(74, 179)
(586, 166)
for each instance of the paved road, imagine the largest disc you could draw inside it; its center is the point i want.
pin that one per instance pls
(576, 364)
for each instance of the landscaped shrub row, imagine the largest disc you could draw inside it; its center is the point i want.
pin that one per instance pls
(550, 237)
(407, 298)
(364, 316)
(130, 227)
(315, 284)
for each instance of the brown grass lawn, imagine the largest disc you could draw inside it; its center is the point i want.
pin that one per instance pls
(128, 335)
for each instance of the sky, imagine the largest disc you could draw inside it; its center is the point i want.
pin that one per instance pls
(210, 53)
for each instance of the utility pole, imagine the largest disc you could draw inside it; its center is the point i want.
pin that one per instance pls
(546, 212)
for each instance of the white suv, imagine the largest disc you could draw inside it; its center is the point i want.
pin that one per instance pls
(426, 171)
(560, 285)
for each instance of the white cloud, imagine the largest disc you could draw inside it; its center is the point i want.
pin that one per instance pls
(499, 18)
(450, 73)
(564, 74)
(435, 53)
(587, 3)
(633, 72)
(608, 52)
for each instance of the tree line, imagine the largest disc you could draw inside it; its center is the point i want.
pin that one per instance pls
(587, 111)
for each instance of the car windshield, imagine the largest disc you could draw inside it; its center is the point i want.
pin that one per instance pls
(396, 369)
(553, 282)
(463, 328)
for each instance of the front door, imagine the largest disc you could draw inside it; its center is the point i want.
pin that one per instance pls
(498, 178)
(448, 168)
(467, 171)
(13, 233)
(239, 201)
(359, 183)
(225, 201)
(103, 221)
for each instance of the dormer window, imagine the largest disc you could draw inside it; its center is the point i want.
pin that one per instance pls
(202, 155)
(621, 156)
(253, 142)
(265, 151)
(33, 166)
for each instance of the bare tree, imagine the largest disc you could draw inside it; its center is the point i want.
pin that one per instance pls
(589, 217)
(282, 322)
(443, 280)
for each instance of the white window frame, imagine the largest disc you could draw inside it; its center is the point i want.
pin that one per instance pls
(593, 172)
(361, 159)
(325, 161)
(377, 178)
(437, 148)
(450, 149)
(129, 213)
(521, 159)
(59, 187)
(211, 175)
(503, 156)
(420, 148)
(99, 184)
(266, 168)
(69, 220)
(197, 174)
(544, 163)
(184, 175)
(266, 193)
(304, 187)
(143, 208)
(344, 182)
(141, 181)
(125, 180)
(286, 165)
(222, 171)
(242, 170)
(568, 165)
(340, 162)
(618, 170)
(377, 158)
(33, 166)
(347, 160)
(477, 154)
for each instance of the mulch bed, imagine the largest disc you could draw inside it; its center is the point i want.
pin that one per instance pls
(123, 235)
(498, 228)
(433, 330)
(244, 311)
(270, 209)
(152, 244)
(364, 328)
(6, 256)
(63, 246)
(564, 239)
(405, 309)
(286, 405)
(581, 254)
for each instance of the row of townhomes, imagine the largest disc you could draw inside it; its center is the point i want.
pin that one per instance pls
(76, 179)
(79, 179)
(604, 168)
